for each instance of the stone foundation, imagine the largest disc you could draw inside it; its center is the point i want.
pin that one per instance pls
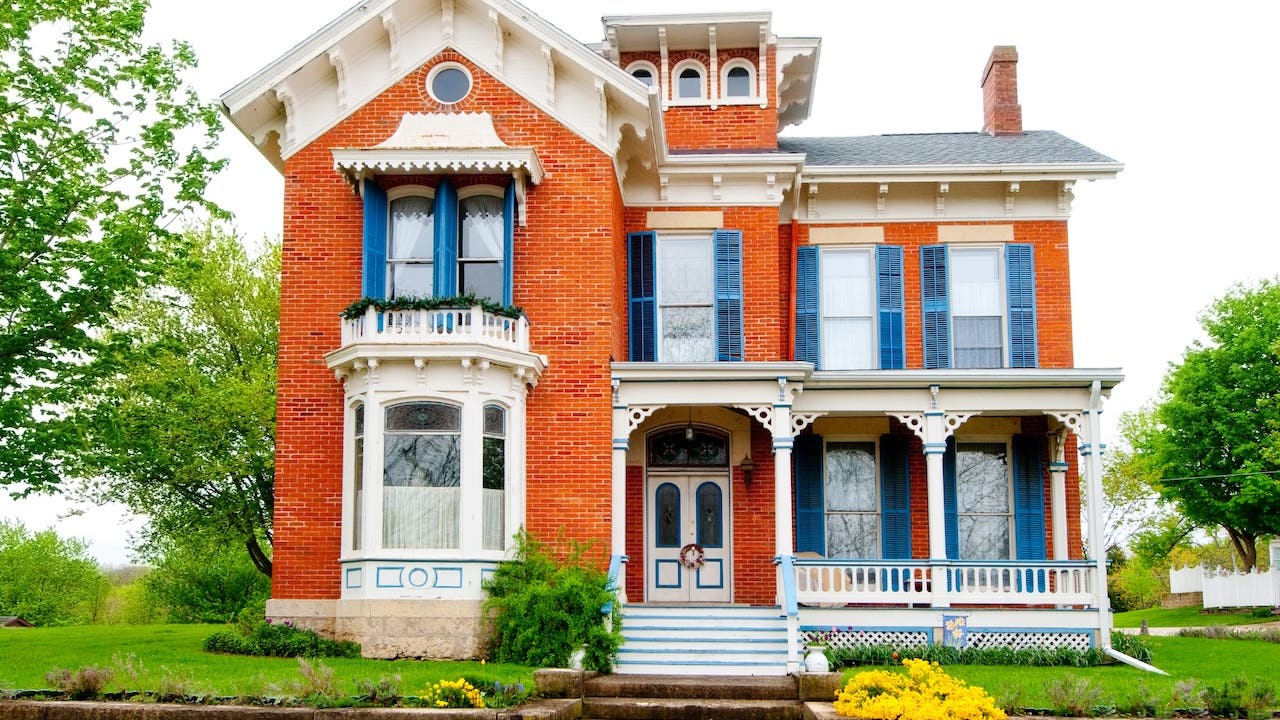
(1171, 601)
(389, 629)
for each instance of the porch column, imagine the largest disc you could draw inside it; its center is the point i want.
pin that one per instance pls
(783, 441)
(618, 496)
(1091, 449)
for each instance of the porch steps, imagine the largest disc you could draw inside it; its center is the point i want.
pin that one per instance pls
(725, 640)
(681, 697)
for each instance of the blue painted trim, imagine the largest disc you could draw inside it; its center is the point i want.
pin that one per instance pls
(440, 576)
(1027, 630)
(679, 580)
(354, 577)
(789, 584)
(415, 572)
(782, 405)
(780, 444)
(935, 448)
(615, 569)
(927, 629)
(1059, 466)
(423, 561)
(398, 580)
(697, 580)
(934, 413)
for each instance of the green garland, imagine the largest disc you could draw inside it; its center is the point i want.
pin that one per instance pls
(358, 308)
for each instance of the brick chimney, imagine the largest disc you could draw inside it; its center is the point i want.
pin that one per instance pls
(1001, 113)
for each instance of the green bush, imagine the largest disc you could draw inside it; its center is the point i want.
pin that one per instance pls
(1238, 697)
(1131, 645)
(269, 639)
(887, 655)
(544, 610)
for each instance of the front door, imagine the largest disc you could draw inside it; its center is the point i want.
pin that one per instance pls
(688, 537)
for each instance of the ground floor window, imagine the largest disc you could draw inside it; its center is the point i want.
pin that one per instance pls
(983, 507)
(495, 476)
(852, 500)
(421, 474)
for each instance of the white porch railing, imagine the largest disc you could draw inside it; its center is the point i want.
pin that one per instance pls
(443, 325)
(1002, 582)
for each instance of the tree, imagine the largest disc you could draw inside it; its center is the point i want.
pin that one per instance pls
(102, 148)
(1213, 434)
(47, 580)
(204, 579)
(181, 425)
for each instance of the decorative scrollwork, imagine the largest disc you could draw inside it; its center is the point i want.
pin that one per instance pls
(913, 421)
(800, 421)
(637, 415)
(952, 421)
(762, 413)
(1072, 420)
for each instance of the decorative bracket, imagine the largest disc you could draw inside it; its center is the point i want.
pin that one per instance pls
(952, 421)
(800, 421)
(549, 57)
(1073, 421)
(1065, 195)
(771, 186)
(1014, 189)
(341, 375)
(617, 389)
(762, 413)
(664, 183)
(497, 39)
(421, 365)
(339, 63)
(880, 199)
(285, 95)
(813, 201)
(474, 370)
(637, 415)
(446, 21)
(603, 129)
(393, 39)
(374, 374)
(943, 189)
(716, 191)
(913, 421)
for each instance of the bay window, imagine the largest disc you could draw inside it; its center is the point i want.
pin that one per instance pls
(494, 476)
(411, 246)
(421, 473)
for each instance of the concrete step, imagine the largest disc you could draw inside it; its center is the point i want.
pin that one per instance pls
(703, 640)
(785, 687)
(597, 708)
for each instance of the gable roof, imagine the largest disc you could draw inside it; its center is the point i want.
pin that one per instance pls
(971, 150)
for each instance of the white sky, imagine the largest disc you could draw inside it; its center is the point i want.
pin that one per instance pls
(1184, 94)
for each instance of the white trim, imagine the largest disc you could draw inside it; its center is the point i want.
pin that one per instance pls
(704, 80)
(752, 94)
(401, 191)
(481, 189)
(441, 67)
(646, 65)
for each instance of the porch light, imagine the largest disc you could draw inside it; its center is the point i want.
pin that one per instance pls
(688, 430)
(747, 466)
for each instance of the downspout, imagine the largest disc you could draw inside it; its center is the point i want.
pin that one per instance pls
(1094, 459)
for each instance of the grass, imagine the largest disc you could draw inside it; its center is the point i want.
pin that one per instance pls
(174, 651)
(1206, 661)
(1187, 617)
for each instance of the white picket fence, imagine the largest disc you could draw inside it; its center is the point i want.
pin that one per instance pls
(1228, 588)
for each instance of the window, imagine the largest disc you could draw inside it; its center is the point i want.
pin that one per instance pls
(411, 246)
(449, 83)
(685, 300)
(737, 79)
(643, 71)
(684, 297)
(494, 477)
(983, 506)
(421, 476)
(357, 478)
(978, 306)
(977, 311)
(691, 81)
(852, 500)
(849, 308)
(424, 242)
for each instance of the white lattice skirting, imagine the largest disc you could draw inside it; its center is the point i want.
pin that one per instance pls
(847, 639)
(1023, 640)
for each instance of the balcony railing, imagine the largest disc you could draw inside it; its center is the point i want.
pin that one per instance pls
(443, 325)
(955, 582)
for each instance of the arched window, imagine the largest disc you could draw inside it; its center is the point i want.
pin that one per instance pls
(421, 476)
(738, 80)
(411, 246)
(357, 477)
(691, 80)
(480, 244)
(643, 74)
(495, 476)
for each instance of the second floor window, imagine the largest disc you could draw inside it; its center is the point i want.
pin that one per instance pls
(411, 246)
(480, 246)
(848, 310)
(849, 307)
(686, 312)
(977, 308)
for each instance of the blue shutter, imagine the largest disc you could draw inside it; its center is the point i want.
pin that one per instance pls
(1028, 497)
(508, 243)
(446, 250)
(895, 498)
(808, 342)
(810, 522)
(641, 301)
(935, 307)
(1021, 283)
(889, 305)
(374, 256)
(728, 261)
(949, 500)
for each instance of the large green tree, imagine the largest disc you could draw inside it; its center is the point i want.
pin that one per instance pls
(181, 426)
(102, 148)
(47, 579)
(1213, 433)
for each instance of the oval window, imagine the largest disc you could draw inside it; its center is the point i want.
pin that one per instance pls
(450, 84)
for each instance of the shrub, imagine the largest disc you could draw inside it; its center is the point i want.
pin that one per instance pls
(544, 610)
(1237, 698)
(384, 691)
(1072, 696)
(503, 695)
(282, 639)
(924, 693)
(453, 694)
(887, 655)
(1131, 645)
(83, 683)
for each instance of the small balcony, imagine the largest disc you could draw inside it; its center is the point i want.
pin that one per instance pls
(442, 326)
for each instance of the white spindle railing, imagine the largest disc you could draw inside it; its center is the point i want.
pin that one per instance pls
(838, 582)
(443, 325)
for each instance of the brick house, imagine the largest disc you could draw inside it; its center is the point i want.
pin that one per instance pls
(782, 383)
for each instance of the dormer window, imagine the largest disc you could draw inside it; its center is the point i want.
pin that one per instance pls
(737, 80)
(643, 74)
(691, 81)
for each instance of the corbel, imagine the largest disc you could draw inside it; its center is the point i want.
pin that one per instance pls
(497, 39)
(880, 199)
(813, 201)
(1065, 194)
(716, 191)
(611, 45)
(393, 39)
(374, 374)
(943, 189)
(1014, 188)
(522, 205)
(420, 364)
(663, 187)
(339, 63)
(549, 58)
(764, 64)
(666, 68)
(713, 82)
(285, 95)
(446, 21)
(603, 128)
(771, 186)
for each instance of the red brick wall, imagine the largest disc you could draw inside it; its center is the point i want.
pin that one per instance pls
(725, 127)
(1053, 283)
(765, 281)
(573, 310)
(755, 578)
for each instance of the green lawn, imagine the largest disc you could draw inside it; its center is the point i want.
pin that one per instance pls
(174, 651)
(1206, 661)
(1186, 617)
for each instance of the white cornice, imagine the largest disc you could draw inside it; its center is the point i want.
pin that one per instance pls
(960, 173)
(710, 372)
(353, 163)
(998, 378)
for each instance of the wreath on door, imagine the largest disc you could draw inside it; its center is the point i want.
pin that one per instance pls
(693, 556)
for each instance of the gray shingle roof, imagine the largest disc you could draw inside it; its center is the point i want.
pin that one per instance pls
(1040, 147)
